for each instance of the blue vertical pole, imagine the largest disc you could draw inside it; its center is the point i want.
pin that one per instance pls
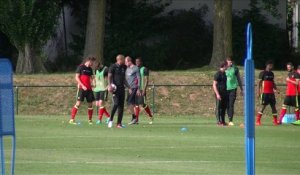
(249, 106)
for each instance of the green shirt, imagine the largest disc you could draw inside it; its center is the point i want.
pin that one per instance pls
(232, 80)
(101, 81)
(144, 72)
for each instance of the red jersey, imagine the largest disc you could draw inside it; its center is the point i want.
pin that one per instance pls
(299, 85)
(85, 74)
(267, 78)
(291, 88)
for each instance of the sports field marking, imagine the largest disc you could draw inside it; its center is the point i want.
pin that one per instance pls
(156, 147)
(147, 162)
(103, 136)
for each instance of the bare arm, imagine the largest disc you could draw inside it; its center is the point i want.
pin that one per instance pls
(216, 90)
(109, 80)
(77, 75)
(291, 81)
(93, 81)
(138, 84)
(259, 88)
(239, 80)
(146, 79)
(127, 84)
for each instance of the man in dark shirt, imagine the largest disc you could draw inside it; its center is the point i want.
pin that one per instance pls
(116, 85)
(84, 77)
(266, 89)
(141, 100)
(219, 87)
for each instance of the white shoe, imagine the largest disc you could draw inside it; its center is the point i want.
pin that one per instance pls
(151, 120)
(231, 124)
(110, 123)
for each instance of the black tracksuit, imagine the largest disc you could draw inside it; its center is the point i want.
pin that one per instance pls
(118, 78)
(221, 105)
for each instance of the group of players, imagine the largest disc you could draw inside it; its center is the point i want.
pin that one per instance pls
(266, 93)
(95, 85)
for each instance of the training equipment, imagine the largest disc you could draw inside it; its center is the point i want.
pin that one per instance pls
(183, 129)
(288, 117)
(249, 106)
(7, 116)
(242, 125)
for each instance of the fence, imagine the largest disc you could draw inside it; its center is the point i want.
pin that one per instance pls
(175, 100)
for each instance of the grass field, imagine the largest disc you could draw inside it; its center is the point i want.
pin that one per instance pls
(48, 145)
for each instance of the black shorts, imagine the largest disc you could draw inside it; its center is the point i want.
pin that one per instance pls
(88, 94)
(291, 101)
(140, 100)
(101, 95)
(132, 97)
(268, 99)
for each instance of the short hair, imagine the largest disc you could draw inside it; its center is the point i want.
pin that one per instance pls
(229, 58)
(269, 62)
(139, 58)
(89, 58)
(128, 58)
(119, 56)
(290, 64)
(223, 64)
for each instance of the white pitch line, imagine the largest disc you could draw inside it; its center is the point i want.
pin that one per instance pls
(155, 147)
(147, 162)
(111, 137)
(132, 148)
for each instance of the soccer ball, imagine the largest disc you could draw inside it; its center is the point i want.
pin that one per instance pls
(114, 87)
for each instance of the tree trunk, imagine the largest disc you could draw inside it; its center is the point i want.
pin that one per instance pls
(94, 39)
(222, 43)
(28, 61)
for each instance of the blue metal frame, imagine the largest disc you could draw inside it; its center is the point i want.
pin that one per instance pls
(5, 64)
(249, 106)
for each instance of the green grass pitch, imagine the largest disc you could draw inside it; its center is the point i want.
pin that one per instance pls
(48, 145)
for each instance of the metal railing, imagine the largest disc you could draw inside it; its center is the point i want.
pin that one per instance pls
(173, 99)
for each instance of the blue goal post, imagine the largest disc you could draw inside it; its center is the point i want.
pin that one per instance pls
(7, 117)
(249, 106)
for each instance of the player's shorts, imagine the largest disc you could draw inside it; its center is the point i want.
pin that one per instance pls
(88, 95)
(140, 100)
(268, 99)
(101, 95)
(131, 97)
(290, 101)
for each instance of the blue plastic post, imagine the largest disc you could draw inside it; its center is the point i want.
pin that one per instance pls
(249, 106)
(7, 116)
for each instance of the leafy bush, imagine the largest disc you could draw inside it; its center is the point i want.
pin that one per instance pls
(177, 40)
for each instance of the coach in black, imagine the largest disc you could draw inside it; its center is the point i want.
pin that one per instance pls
(116, 76)
(219, 87)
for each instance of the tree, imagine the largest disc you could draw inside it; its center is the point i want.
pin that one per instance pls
(222, 42)
(94, 40)
(29, 24)
(222, 37)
